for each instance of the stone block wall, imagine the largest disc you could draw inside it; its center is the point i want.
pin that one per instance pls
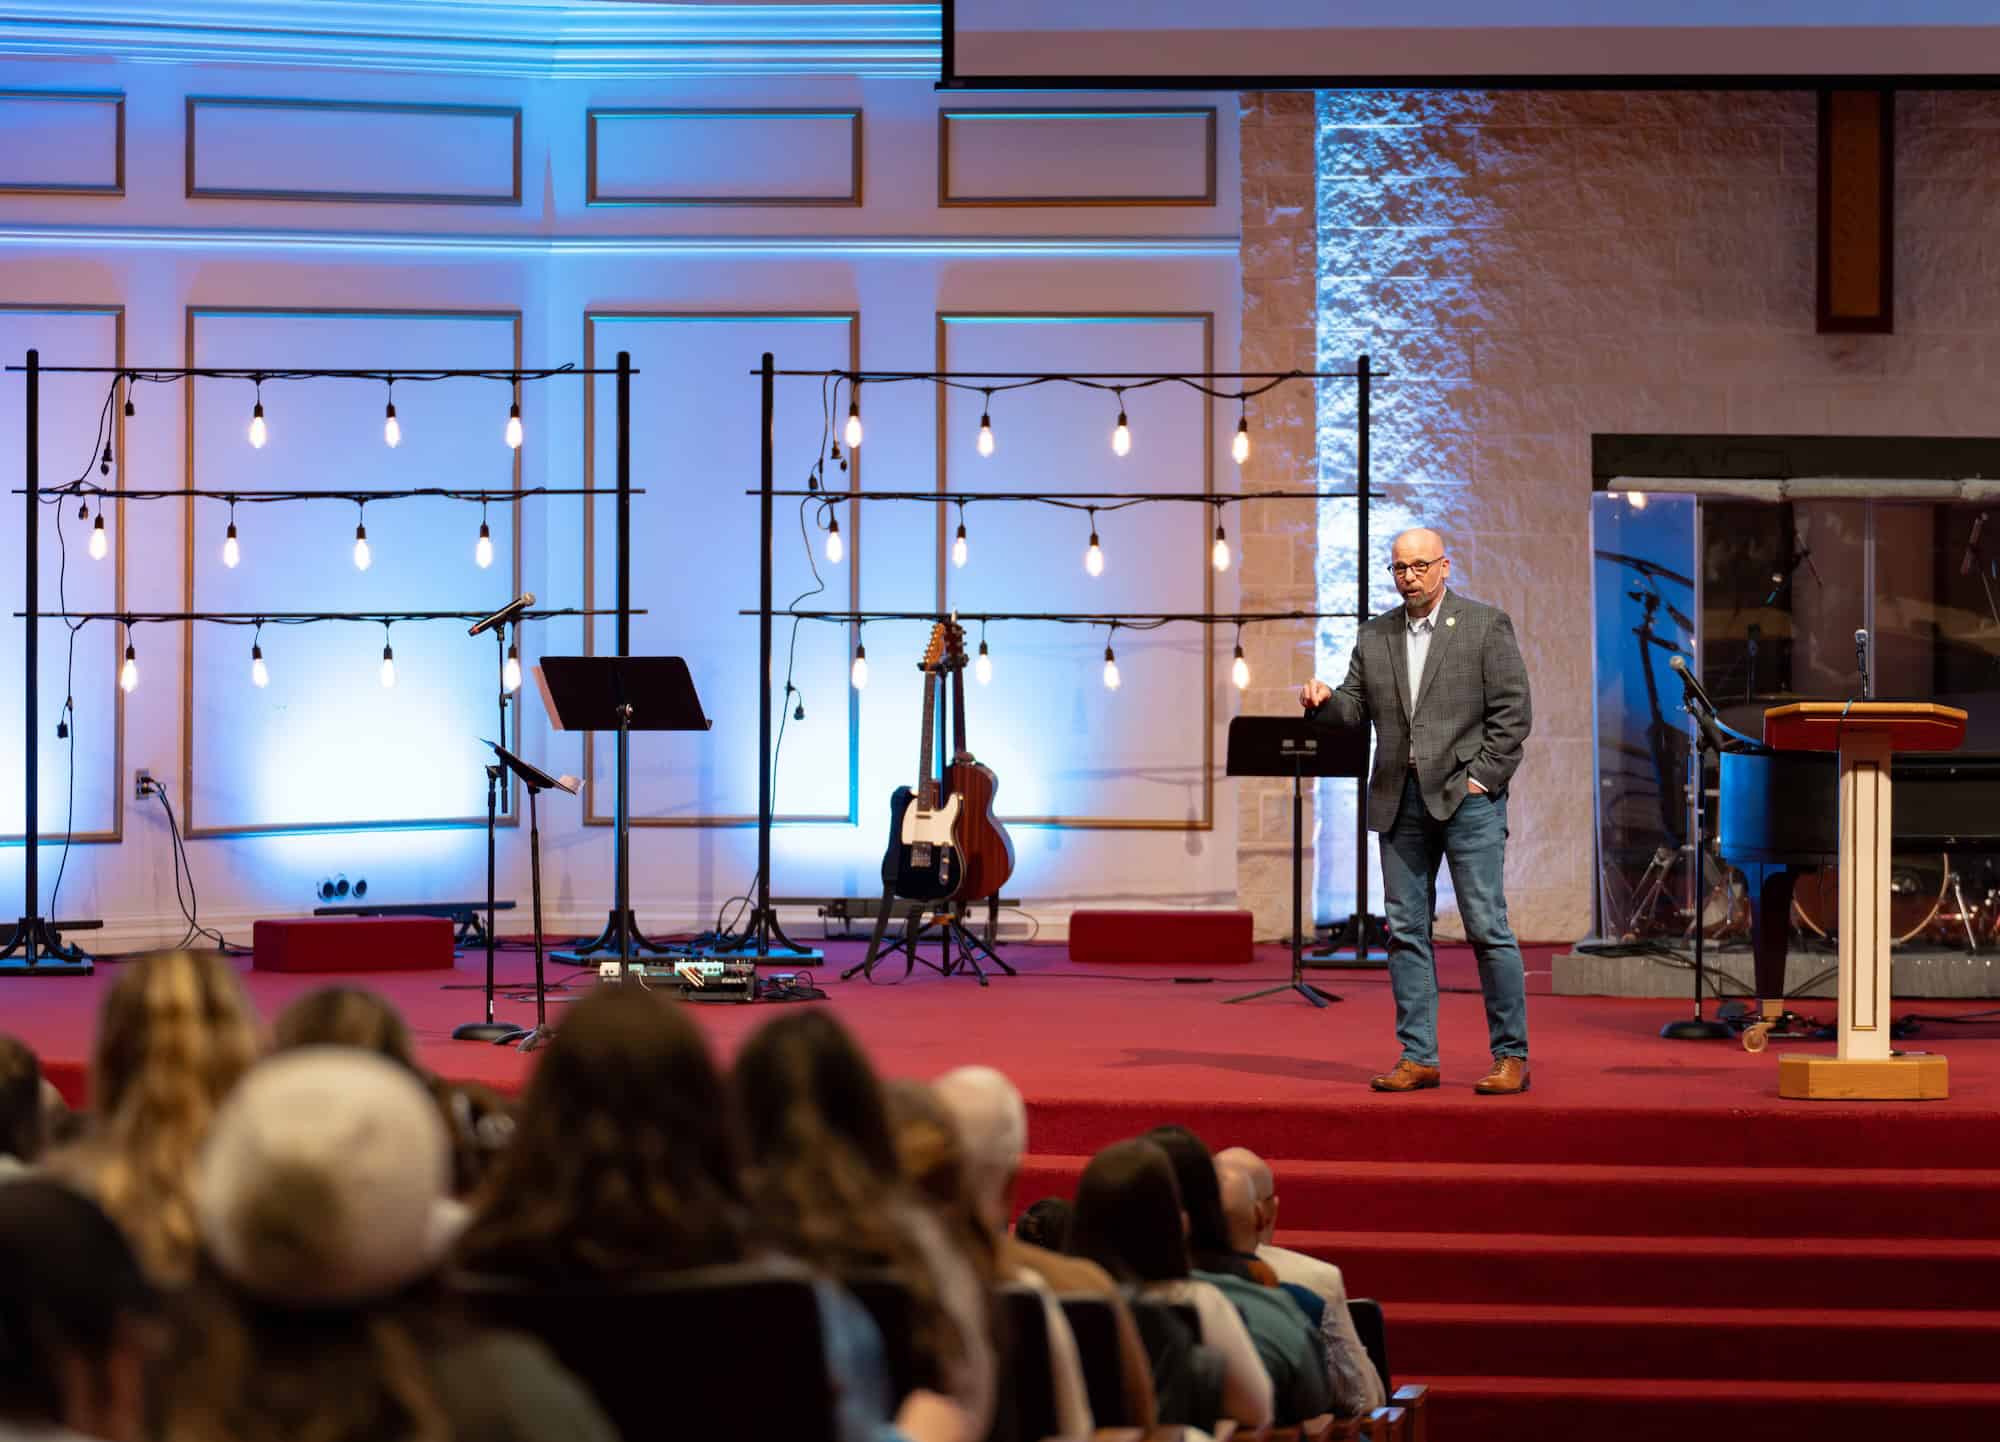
(1534, 268)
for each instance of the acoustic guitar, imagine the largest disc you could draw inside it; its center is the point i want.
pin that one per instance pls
(922, 861)
(983, 844)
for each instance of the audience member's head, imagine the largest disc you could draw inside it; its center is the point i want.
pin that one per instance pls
(1239, 1208)
(1046, 1224)
(20, 1100)
(320, 1181)
(824, 1176)
(1263, 1186)
(932, 1153)
(1129, 1218)
(993, 1120)
(625, 1155)
(481, 1123)
(1201, 1194)
(175, 1034)
(318, 1195)
(60, 1125)
(75, 1317)
(345, 1016)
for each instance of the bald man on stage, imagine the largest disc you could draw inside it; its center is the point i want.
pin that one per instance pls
(1441, 679)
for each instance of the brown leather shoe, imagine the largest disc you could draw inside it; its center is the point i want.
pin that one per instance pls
(1406, 1076)
(1509, 1075)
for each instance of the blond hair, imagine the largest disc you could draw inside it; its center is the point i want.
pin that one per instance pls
(175, 1034)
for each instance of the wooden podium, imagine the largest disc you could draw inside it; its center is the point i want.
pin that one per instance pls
(1866, 734)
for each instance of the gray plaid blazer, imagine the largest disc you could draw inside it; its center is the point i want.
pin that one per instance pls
(1472, 711)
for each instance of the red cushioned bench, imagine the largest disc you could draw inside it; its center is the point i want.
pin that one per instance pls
(1180, 938)
(352, 943)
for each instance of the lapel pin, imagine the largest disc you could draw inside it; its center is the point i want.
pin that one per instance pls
(1451, 620)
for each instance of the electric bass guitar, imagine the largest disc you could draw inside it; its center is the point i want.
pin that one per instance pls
(922, 862)
(983, 843)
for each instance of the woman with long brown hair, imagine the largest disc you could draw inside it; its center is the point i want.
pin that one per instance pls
(827, 1186)
(174, 1035)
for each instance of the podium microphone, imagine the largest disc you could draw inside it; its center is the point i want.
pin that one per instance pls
(1861, 657)
(505, 614)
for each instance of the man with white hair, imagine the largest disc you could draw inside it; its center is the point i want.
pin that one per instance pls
(1356, 1384)
(993, 1128)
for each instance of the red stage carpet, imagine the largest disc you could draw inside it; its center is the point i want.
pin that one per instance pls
(1650, 1244)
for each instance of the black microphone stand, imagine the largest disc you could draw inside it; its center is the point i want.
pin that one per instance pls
(490, 1030)
(1698, 1027)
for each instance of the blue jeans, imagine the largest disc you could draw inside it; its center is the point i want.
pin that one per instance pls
(1475, 842)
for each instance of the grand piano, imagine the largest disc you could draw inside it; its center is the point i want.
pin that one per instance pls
(1779, 818)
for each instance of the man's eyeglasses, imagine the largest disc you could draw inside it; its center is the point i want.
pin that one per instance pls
(1419, 569)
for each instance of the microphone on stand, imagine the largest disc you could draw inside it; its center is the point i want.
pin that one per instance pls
(1972, 545)
(1698, 703)
(505, 614)
(1861, 657)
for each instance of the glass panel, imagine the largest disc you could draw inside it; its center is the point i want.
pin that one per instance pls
(1937, 611)
(1643, 581)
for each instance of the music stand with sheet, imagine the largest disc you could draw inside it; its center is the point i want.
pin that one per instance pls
(537, 781)
(622, 694)
(1295, 747)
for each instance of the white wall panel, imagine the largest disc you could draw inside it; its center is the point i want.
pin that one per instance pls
(354, 151)
(62, 142)
(73, 411)
(326, 745)
(695, 546)
(1076, 157)
(724, 157)
(1068, 749)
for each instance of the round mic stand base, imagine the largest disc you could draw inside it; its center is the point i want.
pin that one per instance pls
(1695, 1028)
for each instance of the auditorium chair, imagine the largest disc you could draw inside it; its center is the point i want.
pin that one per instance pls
(1369, 1326)
(1414, 1399)
(1024, 1407)
(731, 1325)
(1386, 1424)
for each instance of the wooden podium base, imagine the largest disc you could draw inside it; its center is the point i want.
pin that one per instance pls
(1896, 1078)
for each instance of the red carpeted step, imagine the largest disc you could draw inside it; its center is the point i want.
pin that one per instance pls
(1553, 1123)
(1570, 1409)
(1396, 1267)
(1615, 1201)
(1431, 1338)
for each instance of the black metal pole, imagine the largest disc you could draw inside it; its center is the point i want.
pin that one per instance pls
(768, 389)
(489, 1030)
(31, 785)
(622, 904)
(1361, 484)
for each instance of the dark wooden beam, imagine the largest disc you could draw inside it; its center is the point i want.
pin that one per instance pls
(1857, 209)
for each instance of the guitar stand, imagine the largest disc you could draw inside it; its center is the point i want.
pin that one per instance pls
(953, 934)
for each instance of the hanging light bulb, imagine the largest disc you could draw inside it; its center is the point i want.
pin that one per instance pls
(100, 542)
(128, 674)
(982, 668)
(985, 434)
(1121, 434)
(1239, 670)
(392, 429)
(130, 409)
(232, 553)
(482, 549)
(852, 433)
(959, 550)
(259, 433)
(388, 666)
(260, 674)
(1218, 554)
(1110, 670)
(835, 549)
(1239, 447)
(1093, 556)
(859, 673)
(510, 674)
(104, 463)
(363, 557)
(514, 420)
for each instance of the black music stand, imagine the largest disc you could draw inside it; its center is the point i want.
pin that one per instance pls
(537, 781)
(622, 694)
(489, 1029)
(1295, 747)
